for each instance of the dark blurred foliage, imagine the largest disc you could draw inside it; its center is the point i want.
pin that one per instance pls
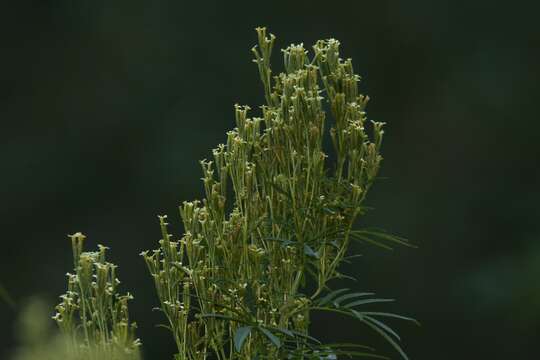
(107, 106)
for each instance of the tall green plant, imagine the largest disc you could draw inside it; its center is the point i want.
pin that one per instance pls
(260, 250)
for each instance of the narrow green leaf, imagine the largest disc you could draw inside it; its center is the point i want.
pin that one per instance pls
(299, 334)
(347, 258)
(383, 334)
(361, 238)
(240, 336)
(366, 301)
(280, 190)
(346, 345)
(390, 315)
(361, 354)
(311, 272)
(164, 326)
(310, 252)
(389, 237)
(330, 296)
(283, 331)
(343, 276)
(328, 211)
(220, 316)
(382, 325)
(342, 298)
(274, 339)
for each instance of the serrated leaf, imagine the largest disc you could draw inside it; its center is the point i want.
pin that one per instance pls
(240, 336)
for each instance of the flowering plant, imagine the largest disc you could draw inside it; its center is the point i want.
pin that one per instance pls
(261, 252)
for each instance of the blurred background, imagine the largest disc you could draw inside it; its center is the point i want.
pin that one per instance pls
(107, 106)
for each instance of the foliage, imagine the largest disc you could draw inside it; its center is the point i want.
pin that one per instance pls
(260, 250)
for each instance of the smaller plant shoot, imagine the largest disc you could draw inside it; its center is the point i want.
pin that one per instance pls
(92, 316)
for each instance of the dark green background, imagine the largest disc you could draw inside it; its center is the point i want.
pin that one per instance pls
(107, 106)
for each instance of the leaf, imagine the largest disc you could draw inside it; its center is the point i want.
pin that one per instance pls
(280, 190)
(220, 316)
(299, 334)
(274, 339)
(329, 356)
(343, 276)
(311, 272)
(390, 315)
(375, 325)
(165, 327)
(323, 242)
(284, 242)
(328, 211)
(330, 296)
(383, 334)
(347, 258)
(361, 354)
(283, 331)
(366, 301)
(359, 237)
(310, 252)
(386, 236)
(240, 336)
(250, 298)
(344, 345)
(332, 352)
(342, 298)
(382, 326)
